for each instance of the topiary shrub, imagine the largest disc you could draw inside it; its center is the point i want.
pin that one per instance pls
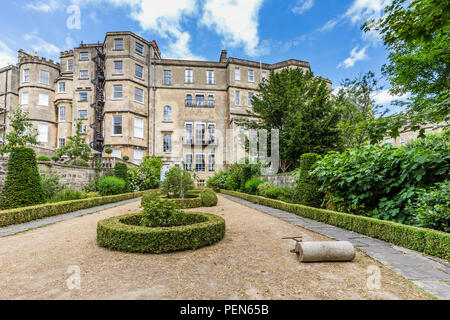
(23, 185)
(121, 171)
(251, 186)
(209, 197)
(68, 195)
(126, 158)
(43, 158)
(307, 189)
(108, 150)
(109, 186)
(79, 163)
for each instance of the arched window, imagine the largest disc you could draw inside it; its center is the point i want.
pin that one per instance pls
(167, 143)
(167, 113)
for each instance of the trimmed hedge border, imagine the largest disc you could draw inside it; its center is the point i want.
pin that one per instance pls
(115, 234)
(432, 242)
(27, 214)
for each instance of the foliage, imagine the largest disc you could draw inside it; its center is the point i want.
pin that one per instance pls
(67, 195)
(43, 158)
(218, 181)
(121, 171)
(79, 163)
(22, 132)
(208, 197)
(432, 207)
(23, 185)
(240, 173)
(382, 181)
(429, 241)
(27, 214)
(285, 193)
(55, 158)
(76, 146)
(251, 186)
(159, 212)
(51, 185)
(307, 189)
(111, 185)
(124, 234)
(177, 182)
(417, 33)
(126, 158)
(263, 187)
(108, 150)
(299, 105)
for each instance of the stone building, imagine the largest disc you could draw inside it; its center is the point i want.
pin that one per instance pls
(131, 100)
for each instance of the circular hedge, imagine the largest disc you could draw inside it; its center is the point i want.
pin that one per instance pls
(124, 233)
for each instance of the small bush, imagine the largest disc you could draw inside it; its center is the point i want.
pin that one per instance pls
(233, 181)
(209, 197)
(79, 163)
(177, 182)
(251, 186)
(307, 189)
(51, 185)
(55, 158)
(43, 158)
(68, 195)
(108, 150)
(23, 185)
(159, 212)
(121, 171)
(218, 181)
(109, 186)
(263, 187)
(126, 158)
(280, 193)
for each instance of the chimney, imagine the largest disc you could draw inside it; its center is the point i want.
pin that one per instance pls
(223, 56)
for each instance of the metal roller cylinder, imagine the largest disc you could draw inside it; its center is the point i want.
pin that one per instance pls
(321, 251)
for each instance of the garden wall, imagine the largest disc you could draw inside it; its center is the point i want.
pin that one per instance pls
(73, 177)
(279, 180)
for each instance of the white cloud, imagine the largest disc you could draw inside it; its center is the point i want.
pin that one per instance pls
(384, 97)
(40, 45)
(302, 6)
(236, 21)
(355, 56)
(7, 55)
(44, 6)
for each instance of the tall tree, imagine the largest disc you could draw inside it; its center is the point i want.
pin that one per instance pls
(417, 33)
(299, 105)
(22, 132)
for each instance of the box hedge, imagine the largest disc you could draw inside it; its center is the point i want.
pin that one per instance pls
(124, 234)
(432, 242)
(27, 214)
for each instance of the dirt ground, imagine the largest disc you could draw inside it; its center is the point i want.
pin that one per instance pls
(251, 262)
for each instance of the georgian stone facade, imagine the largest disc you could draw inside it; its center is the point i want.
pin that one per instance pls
(176, 109)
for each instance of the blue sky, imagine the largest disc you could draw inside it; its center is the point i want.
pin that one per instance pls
(324, 32)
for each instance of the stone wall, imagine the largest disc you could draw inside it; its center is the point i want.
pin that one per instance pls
(73, 177)
(280, 180)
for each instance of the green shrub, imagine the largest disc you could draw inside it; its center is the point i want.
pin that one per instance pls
(146, 176)
(121, 171)
(126, 158)
(43, 158)
(209, 197)
(79, 163)
(124, 234)
(23, 185)
(432, 207)
(218, 181)
(111, 185)
(263, 187)
(177, 182)
(280, 193)
(251, 186)
(51, 185)
(307, 189)
(68, 195)
(108, 150)
(27, 214)
(55, 158)
(432, 242)
(159, 212)
(233, 181)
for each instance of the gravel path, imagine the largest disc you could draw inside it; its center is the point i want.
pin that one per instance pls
(251, 262)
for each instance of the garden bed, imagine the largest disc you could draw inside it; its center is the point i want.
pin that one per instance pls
(432, 242)
(124, 233)
(27, 214)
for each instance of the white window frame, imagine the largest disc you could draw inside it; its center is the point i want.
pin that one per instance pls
(169, 142)
(213, 101)
(139, 128)
(210, 79)
(82, 72)
(42, 134)
(113, 126)
(116, 70)
(136, 96)
(44, 77)
(251, 75)
(70, 65)
(136, 67)
(83, 129)
(61, 142)
(84, 94)
(186, 137)
(117, 153)
(25, 98)
(250, 96)
(197, 124)
(79, 114)
(209, 140)
(189, 76)
(138, 160)
(40, 99)
(26, 76)
(192, 99)
(117, 92)
(59, 87)
(116, 42)
(167, 80)
(136, 48)
(84, 54)
(204, 100)
(204, 161)
(62, 114)
(264, 75)
(237, 74)
(167, 116)
(209, 162)
(191, 167)
(237, 98)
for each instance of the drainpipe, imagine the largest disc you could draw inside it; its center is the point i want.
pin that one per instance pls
(149, 61)
(154, 107)
(4, 112)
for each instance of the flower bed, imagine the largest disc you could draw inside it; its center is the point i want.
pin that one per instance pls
(124, 233)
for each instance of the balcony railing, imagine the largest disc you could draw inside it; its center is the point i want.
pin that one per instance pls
(200, 104)
(200, 142)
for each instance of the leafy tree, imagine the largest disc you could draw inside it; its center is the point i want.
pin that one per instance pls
(299, 105)
(146, 176)
(177, 182)
(417, 33)
(22, 132)
(76, 147)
